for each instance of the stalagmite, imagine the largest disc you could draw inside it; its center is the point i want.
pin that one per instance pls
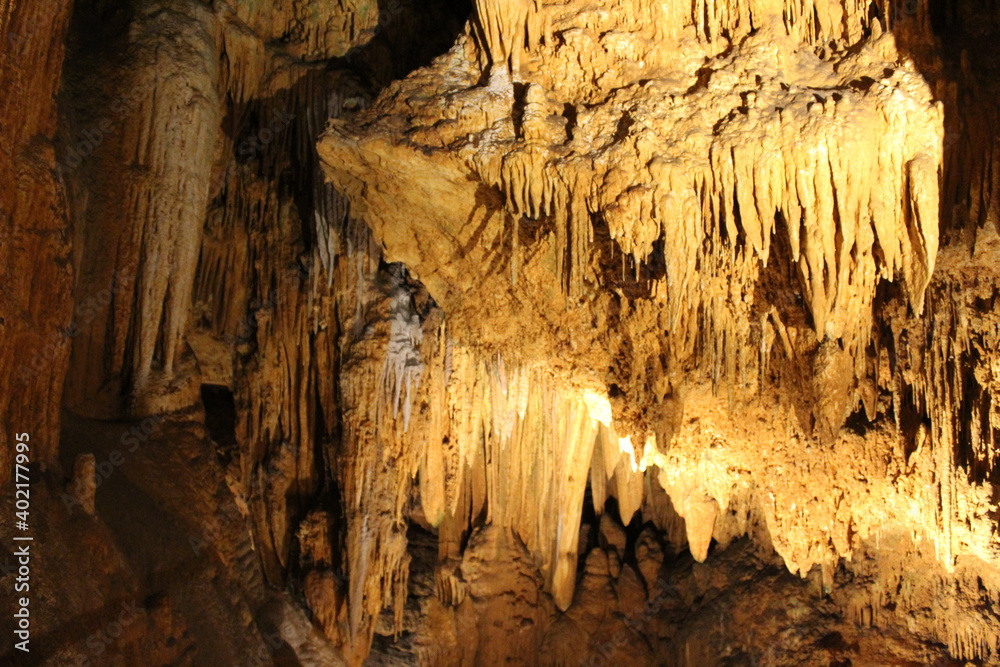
(83, 486)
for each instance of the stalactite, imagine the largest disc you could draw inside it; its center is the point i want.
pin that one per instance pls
(810, 177)
(532, 438)
(307, 31)
(155, 211)
(507, 26)
(675, 202)
(403, 367)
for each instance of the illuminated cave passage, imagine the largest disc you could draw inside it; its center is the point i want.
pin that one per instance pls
(577, 332)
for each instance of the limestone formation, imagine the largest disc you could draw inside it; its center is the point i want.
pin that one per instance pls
(504, 331)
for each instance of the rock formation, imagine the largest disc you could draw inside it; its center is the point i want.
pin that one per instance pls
(578, 332)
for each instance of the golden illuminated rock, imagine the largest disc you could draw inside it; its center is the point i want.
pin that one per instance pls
(504, 331)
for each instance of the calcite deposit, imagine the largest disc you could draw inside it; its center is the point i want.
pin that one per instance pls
(576, 332)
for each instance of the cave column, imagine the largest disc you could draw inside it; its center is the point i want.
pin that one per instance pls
(142, 228)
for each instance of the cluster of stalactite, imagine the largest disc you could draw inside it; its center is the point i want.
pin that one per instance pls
(510, 31)
(765, 224)
(207, 247)
(843, 173)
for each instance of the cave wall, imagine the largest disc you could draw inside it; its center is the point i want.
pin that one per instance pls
(36, 245)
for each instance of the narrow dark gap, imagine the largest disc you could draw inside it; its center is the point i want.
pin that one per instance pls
(910, 421)
(617, 270)
(220, 419)
(772, 288)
